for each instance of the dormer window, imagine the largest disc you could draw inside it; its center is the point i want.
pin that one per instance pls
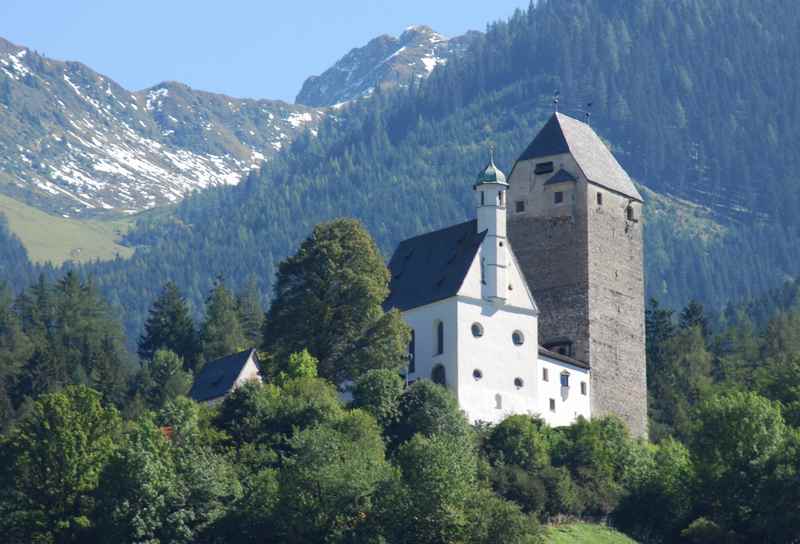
(558, 197)
(543, 168)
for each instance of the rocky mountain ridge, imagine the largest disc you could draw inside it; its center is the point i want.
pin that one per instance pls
(386, 62)
(74, 142)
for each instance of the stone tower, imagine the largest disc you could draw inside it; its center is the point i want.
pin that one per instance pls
(575, 227)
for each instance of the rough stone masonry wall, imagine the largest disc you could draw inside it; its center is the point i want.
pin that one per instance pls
(549, 252)
(616, 310)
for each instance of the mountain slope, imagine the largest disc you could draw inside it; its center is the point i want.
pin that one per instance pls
(74, 142)
(404, 162)
(386, 62)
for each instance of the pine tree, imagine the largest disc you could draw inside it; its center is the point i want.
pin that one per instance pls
(222, 332)
(251, 313)
(170, 326)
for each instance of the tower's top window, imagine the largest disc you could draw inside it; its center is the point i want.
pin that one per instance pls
(543, 168)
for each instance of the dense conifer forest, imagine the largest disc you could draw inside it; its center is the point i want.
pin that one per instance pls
(695, 98)
(98, 446)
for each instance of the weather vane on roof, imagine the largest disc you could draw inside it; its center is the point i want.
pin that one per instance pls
(556, 94)
(491, 153)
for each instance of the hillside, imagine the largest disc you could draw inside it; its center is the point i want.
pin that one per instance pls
(73, 142)
(403, 161)
(386, 62)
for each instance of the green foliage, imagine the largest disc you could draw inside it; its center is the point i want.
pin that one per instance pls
(169, 326)
(520, 440)
(300, 365)
(53, 460)
(326, 486)
(221, 333)
(163, 378)
(328, 299)
(428, 409)
(378, 392)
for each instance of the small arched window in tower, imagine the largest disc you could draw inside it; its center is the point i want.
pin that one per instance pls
(500, 197)
(498, 402)
(477, 374)
(630, 213)
(518, 383)
(483, 198)
(411, 349)
(583, 388)
(517, 338)
(438, 375)
(439, 338)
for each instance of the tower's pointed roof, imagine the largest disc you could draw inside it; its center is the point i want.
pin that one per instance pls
(491, 173)
(563, 134)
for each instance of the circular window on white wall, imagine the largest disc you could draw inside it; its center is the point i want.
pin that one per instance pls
(477, 374)
(518, 338)
(477, 330)
(518, 383)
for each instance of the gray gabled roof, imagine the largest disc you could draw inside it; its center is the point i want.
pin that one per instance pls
(432, 266)
(216, 378)
(563, 134)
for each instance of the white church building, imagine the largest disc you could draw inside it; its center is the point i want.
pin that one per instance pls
(475, 321)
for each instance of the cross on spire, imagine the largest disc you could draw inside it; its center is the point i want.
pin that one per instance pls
(556, 94)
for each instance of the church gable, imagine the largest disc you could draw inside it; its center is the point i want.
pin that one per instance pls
(517, 296)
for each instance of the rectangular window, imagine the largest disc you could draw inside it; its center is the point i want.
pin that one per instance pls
(439, 338)
(483, 198)
(552, 405)
(500, 197)
(565, 380)
(558, 197)
(545, 376)
(583, 388)
(519, 205)
(411, 350)
(599, 199)
(543, 168)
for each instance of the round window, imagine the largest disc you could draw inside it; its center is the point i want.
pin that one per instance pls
(477, 330)
(518, 383)
(517, 338)
(477, 374)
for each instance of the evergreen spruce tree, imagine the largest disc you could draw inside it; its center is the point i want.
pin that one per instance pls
(251, 313)
(222, 332)
(170, 326)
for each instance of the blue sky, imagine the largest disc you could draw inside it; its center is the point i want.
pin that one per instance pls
(258, 49)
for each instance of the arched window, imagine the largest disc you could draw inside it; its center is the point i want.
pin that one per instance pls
(411, 350)
(438, 375)
(439, 338)
(518, 338)
(498, 402)
(477, 330)
(630, 214)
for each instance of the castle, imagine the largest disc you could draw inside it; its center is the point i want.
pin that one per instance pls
(537, 305)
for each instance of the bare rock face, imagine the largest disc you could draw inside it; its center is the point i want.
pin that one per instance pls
(74, 142)
(386, 62)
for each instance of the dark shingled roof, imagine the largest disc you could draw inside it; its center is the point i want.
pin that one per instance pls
(432, 266)
(563, 358)
(560, 176)
(217, 377)
(563, 134)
